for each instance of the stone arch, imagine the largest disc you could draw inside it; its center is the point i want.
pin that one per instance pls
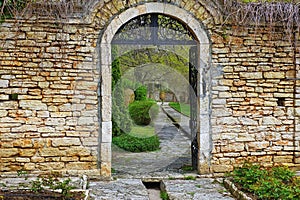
(200, 33)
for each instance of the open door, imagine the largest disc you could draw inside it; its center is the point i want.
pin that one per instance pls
(194, 105)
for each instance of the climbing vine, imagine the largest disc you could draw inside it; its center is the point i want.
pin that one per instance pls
(264, 13)
(26, 9)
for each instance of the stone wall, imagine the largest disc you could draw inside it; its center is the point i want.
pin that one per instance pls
(254, 107)
(55, 112)
(48, 97)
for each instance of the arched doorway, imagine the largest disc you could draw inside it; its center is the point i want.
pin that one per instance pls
(149, 13)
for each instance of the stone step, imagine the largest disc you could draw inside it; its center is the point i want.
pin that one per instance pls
(204, 188)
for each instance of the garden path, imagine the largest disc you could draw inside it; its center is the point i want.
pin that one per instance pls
(173, 154)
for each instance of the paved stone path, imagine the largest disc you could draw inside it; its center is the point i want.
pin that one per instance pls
(163, 165)
(205, 188)
(123, 189)
(133, 189)
(173, 154)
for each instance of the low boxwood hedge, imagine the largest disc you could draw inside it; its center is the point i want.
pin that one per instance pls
(136, 144)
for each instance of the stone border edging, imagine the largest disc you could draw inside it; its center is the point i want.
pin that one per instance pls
(235, 191)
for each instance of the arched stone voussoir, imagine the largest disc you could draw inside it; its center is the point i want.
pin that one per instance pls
(102, 12)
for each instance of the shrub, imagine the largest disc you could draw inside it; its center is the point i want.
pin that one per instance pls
(141, 93)
(135, 144)
(121, 122)
(247, 175)
(141, 112)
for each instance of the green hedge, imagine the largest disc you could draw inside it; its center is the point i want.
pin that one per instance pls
(141, 112)
(136, 144)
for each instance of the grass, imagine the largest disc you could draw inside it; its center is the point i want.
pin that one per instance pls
(142, 131)
(140, 139)
(164, 195)
(181, 107)
(187, 168)
(190, 178)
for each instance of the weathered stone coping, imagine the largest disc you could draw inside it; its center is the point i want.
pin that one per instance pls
(235, 191)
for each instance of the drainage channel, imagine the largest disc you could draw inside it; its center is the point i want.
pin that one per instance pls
(176, 124)
(154, 190)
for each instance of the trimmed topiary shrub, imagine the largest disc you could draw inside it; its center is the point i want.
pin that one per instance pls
(141, 112)
(141, 93)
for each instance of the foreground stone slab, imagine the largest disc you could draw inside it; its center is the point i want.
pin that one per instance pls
(120, 189)
(206, 188)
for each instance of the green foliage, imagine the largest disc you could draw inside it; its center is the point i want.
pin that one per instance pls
(121, 122)
(8, 8)
(126, 83)
(176, 59)
(275, 183)
(282, 173)
(181, 107)
(141, 93)
(47, 182)
(247, 175)
(41, 184)
(164, 195)
(142, 112)
(190, 178)
(64, 186)
(187, 168)
(136, 144)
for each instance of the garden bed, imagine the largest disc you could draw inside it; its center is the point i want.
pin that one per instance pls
(44, 195)
(257, 183)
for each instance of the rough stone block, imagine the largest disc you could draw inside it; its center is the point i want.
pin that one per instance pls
(48, 166)
(248, 121)
(86, 121)
(228, 121)
(222, 168)
(251, 75)
(271, 121)
(27, 152)
(283, 159)
(5, 153)
(233, 147)
(81, 165)
(51, 152)
(4, 83)
(24, 128)
(258, 145)
(55, 121)
(78, 151)
(58, 142)
(274, 75)
(90, 141)
(32, 105)
(24, 143)
(23, 160)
